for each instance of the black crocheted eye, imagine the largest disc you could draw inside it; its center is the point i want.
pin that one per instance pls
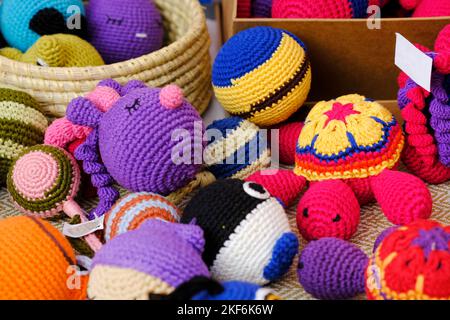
(256, 190)
(114, 21)
(305, 213)
(337, 218)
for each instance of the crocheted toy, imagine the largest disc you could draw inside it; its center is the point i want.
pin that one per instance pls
(236, 148)
(137, 141)
(121, 31)
(349, 148)
(409, 263)
(247, 232)
(43, 181)
(134, 209)
(262, 74)
(35, 261)
(262, 8)
(427, 119)
(58, 50)
(24, 22)
(21, 125)
(427, 8)
(244, 8)
(152, 260)
(322, 9)
(204, 288)
(288, 137)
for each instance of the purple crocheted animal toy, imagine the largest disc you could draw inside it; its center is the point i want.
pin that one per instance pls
(133, 143)
(123, 30)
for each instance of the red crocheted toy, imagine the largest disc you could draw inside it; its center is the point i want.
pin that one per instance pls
(427, 8)
(427, 123)
(349, 149)
(244, 8)
(288, 137)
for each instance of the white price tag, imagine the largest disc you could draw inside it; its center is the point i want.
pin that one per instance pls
(412, 61)
(83, 229)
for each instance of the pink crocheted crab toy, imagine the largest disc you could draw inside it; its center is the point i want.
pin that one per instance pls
(427, 8)
(348, 149)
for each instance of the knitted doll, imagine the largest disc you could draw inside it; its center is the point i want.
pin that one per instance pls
(247, 232)
(124, 30)
(58, 50)
(322, 9)
(204, 288)
(408, 263)
(147, 141)
(427, 8)
(151, 260)
(37, 262)
(236, 148)
(22, 125)
(24, 22)
(427, 119)
(262, 74)
(349, 148)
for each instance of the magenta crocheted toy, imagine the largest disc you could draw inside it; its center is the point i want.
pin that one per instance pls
(427, 8)
(122, 30)
(132, 142)
(349, 149)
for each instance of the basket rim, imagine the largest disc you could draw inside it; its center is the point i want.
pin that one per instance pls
(196, 27)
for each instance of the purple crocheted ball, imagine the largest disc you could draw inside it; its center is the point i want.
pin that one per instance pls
(122, 30)
(262, 8)
(332, 268)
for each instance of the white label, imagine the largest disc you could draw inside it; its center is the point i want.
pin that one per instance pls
(83, 229)
(412, 61)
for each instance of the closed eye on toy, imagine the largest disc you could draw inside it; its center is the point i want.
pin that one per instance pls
(136, 104)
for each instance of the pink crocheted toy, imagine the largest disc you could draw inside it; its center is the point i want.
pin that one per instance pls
(288, 136)
(427, 8)
(349, 149)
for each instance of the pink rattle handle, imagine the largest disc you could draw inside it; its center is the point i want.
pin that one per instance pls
(72, 209)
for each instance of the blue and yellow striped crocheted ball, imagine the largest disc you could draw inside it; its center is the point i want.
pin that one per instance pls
(262, 74)
(236, 148)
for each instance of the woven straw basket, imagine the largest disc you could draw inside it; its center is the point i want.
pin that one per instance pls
(184, 61)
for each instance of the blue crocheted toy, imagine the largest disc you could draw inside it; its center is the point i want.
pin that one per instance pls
(24, 22)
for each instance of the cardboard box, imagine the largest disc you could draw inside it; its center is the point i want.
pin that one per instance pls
(346, 56)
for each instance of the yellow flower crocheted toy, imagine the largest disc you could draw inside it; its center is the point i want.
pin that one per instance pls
(58, 50)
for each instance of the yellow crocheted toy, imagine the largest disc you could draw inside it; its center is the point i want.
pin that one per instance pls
(58, 50)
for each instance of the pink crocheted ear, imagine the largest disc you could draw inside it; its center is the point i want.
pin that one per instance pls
(171, 96)
(284, 185)
(403, 197)
(62, 132)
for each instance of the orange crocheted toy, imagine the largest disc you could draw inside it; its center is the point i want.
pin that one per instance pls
(37, 262)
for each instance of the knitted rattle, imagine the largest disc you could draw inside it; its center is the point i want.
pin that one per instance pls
(408, 263)
(349, 148)
(58, 50)
(124, 30)
(204, 288)
(150, 140)
(263, 75)
(322, 9)
(22, 125)
(152, 260)
(24, 22)
(130, 212)
(427, 8)
(247, 232)
(427, 119)
(43, 181)
(36, 261)
(236, 148)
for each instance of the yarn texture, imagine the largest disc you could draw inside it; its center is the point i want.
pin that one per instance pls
(262, 74)
(58, 50)
(427, 8)
(21, 125)
(24, 22)
(121, 31)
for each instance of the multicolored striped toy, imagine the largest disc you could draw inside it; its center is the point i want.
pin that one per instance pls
(263, 75)
(134, 209)
(237, 148)
(21, 125)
